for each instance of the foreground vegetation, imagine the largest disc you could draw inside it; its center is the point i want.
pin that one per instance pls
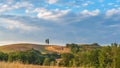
(88, 55)
(20, 65)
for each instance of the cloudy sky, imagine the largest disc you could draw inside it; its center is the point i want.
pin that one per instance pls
(62, 21)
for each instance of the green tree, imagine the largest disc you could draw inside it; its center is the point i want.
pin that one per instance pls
(118, 58)
(73, 47)
(105, 57)
(47, 41)
(66, 59)
(115, 53)
(3, 56)
(46, 61)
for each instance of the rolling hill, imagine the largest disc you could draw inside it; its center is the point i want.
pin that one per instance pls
(27, 46)
(44, 49)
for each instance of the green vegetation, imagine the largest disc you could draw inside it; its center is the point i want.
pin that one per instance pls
(29, 57)
(86, 55)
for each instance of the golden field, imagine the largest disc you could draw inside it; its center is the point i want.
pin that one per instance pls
(19, 65)
(27, 46)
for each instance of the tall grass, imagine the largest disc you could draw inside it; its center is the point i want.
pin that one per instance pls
(20, 65)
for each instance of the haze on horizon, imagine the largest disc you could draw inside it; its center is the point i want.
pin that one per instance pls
(62, 21)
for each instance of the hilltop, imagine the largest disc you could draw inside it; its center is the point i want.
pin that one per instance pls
(45, 48)
(39, 47)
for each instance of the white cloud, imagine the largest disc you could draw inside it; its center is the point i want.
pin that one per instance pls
(113, 11)
(52, 1)
(22, 4)
(14, 24)
(85, 4)
(92, 13)
(4, 8)
(7, 7)
(40, 10)
(51, 15)
(9, 1)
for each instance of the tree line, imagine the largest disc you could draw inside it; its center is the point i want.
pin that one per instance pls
(94, 56)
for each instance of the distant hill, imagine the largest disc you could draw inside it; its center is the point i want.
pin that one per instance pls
(27, 46)
(44, 49)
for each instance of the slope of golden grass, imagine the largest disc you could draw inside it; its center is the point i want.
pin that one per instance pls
(21, 47)
(28, 46)
(19, 65)
(58, 49)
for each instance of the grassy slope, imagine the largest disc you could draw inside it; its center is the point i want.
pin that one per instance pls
(43, 48)
(27, 46)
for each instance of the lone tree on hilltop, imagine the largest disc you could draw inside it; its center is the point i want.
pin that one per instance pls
(47, 41)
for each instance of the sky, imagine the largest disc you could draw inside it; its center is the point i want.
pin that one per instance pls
(62, 21)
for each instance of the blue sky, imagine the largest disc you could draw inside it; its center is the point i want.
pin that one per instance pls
(62, 21)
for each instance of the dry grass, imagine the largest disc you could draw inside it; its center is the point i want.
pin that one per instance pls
(58, 49)
(21, 47)
(19, 65)
(28, 46)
